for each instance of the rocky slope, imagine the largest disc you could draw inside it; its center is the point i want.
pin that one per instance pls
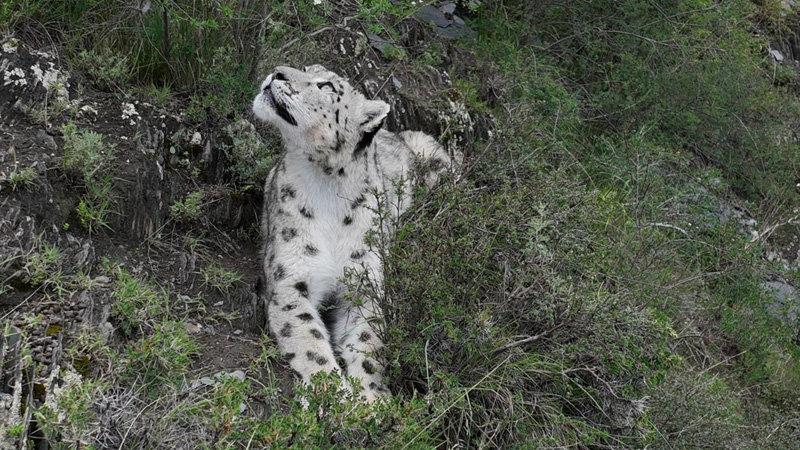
(58, 275)
(588, 271)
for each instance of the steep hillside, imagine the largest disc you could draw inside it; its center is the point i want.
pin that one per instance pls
(614, 267)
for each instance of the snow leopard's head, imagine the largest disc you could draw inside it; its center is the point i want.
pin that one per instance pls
(318, 108)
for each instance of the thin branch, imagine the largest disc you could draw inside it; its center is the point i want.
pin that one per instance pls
(666, 225)
(285, 46)
(527, 340)
(453, 403)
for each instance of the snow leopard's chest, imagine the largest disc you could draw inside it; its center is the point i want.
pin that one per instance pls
(337, 215)
(319, 221)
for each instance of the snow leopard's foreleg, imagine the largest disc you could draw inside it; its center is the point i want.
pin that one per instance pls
(357, 330)
(298, 328)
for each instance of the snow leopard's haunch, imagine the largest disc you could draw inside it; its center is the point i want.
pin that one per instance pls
(340, 177)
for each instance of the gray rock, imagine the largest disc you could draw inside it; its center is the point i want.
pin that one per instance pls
(39, 167)
(434, 15)
(380, 44)
(186, 266)
(102, 281)
(46, 140)
(448, 25)
(448, 8)
(85, 256)
(238, 375)
(454, 32)
(776, 55)
(785, 304)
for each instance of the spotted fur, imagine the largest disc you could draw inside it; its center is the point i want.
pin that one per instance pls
(340, 168)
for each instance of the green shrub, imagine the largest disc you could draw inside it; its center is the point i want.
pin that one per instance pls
(138, 305)
(85, 152)
(104, 66)
(95, 208)
(251, 157)
(163, 356)
(43, 263)
(332, 419)
(92, 159)
(701, 87)
(494, 309)
(157, 95)
(686, 395)
(22, 178)
(188, 208)
(68, 414)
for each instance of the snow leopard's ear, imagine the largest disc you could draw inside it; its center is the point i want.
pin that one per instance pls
(373, 113)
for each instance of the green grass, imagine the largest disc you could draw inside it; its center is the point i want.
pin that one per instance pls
(104, 66)
(69, 416)
(579, 287)
(92, 159)
(172, 44)
(95, 208)
(188, 208)
(84, 151)
(221, 279)
(157, 95)
(644, 235)
(138, 305)
(331, 420)
(43, 264)
(161, 356)
(22, 179)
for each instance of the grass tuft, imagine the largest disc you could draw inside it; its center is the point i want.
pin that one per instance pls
(188, 208)
(92, 159)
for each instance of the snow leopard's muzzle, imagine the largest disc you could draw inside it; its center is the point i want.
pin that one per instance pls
(272, 98)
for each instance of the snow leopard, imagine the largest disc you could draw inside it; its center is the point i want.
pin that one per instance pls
(341, 178)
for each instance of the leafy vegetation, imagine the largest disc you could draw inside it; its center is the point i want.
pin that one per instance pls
(138, 305)
(592, 212)
(21, 178)
(585, 283)
(220, 279)
(161, 356)
(188, 208)
(91, 158)
(165, 43)
(69, 417)
(251, 158)
(43, 263)
(104, 66)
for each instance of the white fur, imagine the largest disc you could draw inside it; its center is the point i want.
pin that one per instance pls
(322, 198)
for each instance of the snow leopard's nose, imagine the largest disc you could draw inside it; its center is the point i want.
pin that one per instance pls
(279, 75)
(288, 74)
(267, 83)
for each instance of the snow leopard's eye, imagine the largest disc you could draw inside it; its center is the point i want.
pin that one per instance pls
(326, 87)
